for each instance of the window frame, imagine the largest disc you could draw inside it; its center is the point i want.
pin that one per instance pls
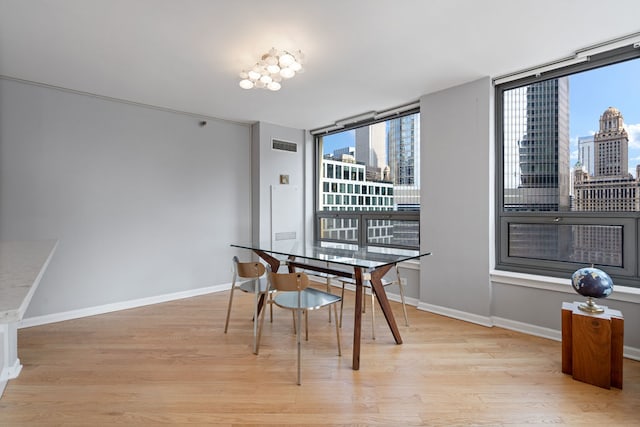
(362, 216)
(628, 274)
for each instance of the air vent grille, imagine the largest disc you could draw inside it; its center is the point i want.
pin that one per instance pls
(277, 144)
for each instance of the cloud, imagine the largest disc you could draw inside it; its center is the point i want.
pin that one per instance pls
(634, 146)
(634, 135)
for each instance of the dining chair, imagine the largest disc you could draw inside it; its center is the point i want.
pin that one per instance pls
(293, 293)
(254, 281)
(367, 287)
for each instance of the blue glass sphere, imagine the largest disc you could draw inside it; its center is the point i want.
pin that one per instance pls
(592, 282)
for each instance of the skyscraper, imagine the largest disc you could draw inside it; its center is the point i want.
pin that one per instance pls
(611, 187)
(544, 149)
(403, 142)
(586, 153)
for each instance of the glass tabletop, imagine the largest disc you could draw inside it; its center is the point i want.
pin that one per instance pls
(369, 257)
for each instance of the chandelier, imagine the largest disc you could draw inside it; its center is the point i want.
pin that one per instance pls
(271, 69)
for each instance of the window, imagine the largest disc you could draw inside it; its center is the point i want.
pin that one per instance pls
(383, 208)
(568, 183)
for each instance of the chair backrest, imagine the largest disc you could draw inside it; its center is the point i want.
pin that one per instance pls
(248, 269)
(289, 282)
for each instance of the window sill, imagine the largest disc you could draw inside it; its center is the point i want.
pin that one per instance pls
(620, 293)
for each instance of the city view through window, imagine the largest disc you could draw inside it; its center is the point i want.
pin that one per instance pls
(572, 144)
(367, 171)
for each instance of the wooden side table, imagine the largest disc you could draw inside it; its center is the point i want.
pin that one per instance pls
(592, 345)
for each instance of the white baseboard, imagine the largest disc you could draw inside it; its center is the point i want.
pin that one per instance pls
(124, 305)
(392, 297)
(488, 321)
(11, 372)
(456, 314)
(527, 328)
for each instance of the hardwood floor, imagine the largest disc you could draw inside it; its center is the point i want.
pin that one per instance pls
(172, 364)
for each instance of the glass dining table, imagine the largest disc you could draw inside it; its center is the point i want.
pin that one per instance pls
(359, 263)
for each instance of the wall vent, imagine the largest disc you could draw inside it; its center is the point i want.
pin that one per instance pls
(277, 144)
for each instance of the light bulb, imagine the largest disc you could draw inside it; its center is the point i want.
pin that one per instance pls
(244, 75)
(274, 86)
(266, 79)
(295, 66)
(286, 60)
(246, 84)
(254, 75)
(271, 60)
(273, 68)
(287, 73)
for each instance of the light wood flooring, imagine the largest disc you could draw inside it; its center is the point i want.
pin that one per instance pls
(172, 364)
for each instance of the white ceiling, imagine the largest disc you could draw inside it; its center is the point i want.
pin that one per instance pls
(361, 55)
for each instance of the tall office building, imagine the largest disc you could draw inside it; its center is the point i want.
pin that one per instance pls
(611, 187)
(536, 165)
(403, 142)
(544, 149)
(371, 150)
(586, 153)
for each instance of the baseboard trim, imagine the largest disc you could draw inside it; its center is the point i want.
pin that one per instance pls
(124, 305)
(11, 372)
(488, 321)
(528, 329)
(456, 314)
(390, 296)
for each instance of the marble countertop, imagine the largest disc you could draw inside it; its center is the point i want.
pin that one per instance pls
(22, 265)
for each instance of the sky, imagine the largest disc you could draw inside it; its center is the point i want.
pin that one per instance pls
(338, 140)
(590, 94)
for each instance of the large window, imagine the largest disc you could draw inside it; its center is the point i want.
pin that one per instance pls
(569, 177)
(369, 186)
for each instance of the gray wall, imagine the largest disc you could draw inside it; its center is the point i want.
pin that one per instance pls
(455, 203)
(457, 225)
(270, 164)
(138, 197)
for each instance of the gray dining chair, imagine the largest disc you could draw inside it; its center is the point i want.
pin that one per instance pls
(249, 277)
(293, 293)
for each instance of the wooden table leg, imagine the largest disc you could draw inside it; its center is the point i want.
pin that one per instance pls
(381, 295)
(357, 319)
(274, 263)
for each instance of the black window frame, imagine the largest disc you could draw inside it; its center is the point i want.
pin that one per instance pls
(626, 275)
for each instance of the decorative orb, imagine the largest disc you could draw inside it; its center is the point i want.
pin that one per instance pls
(592, 282)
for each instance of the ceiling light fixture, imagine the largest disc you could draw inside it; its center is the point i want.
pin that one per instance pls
(271, 69)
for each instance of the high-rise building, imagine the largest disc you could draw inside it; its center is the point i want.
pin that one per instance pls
(586, 153)
(544, 149)
(403, 142)
(611, 187)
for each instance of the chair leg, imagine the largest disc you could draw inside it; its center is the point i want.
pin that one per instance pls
(329, 291)
(226, 323)
(295, 326)
(298, 333)
(373, 315)
(256, 341)
(335, 312)
(404, 306)
(306, 325)
(256, 314)
(341, 303)
(364, 300)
